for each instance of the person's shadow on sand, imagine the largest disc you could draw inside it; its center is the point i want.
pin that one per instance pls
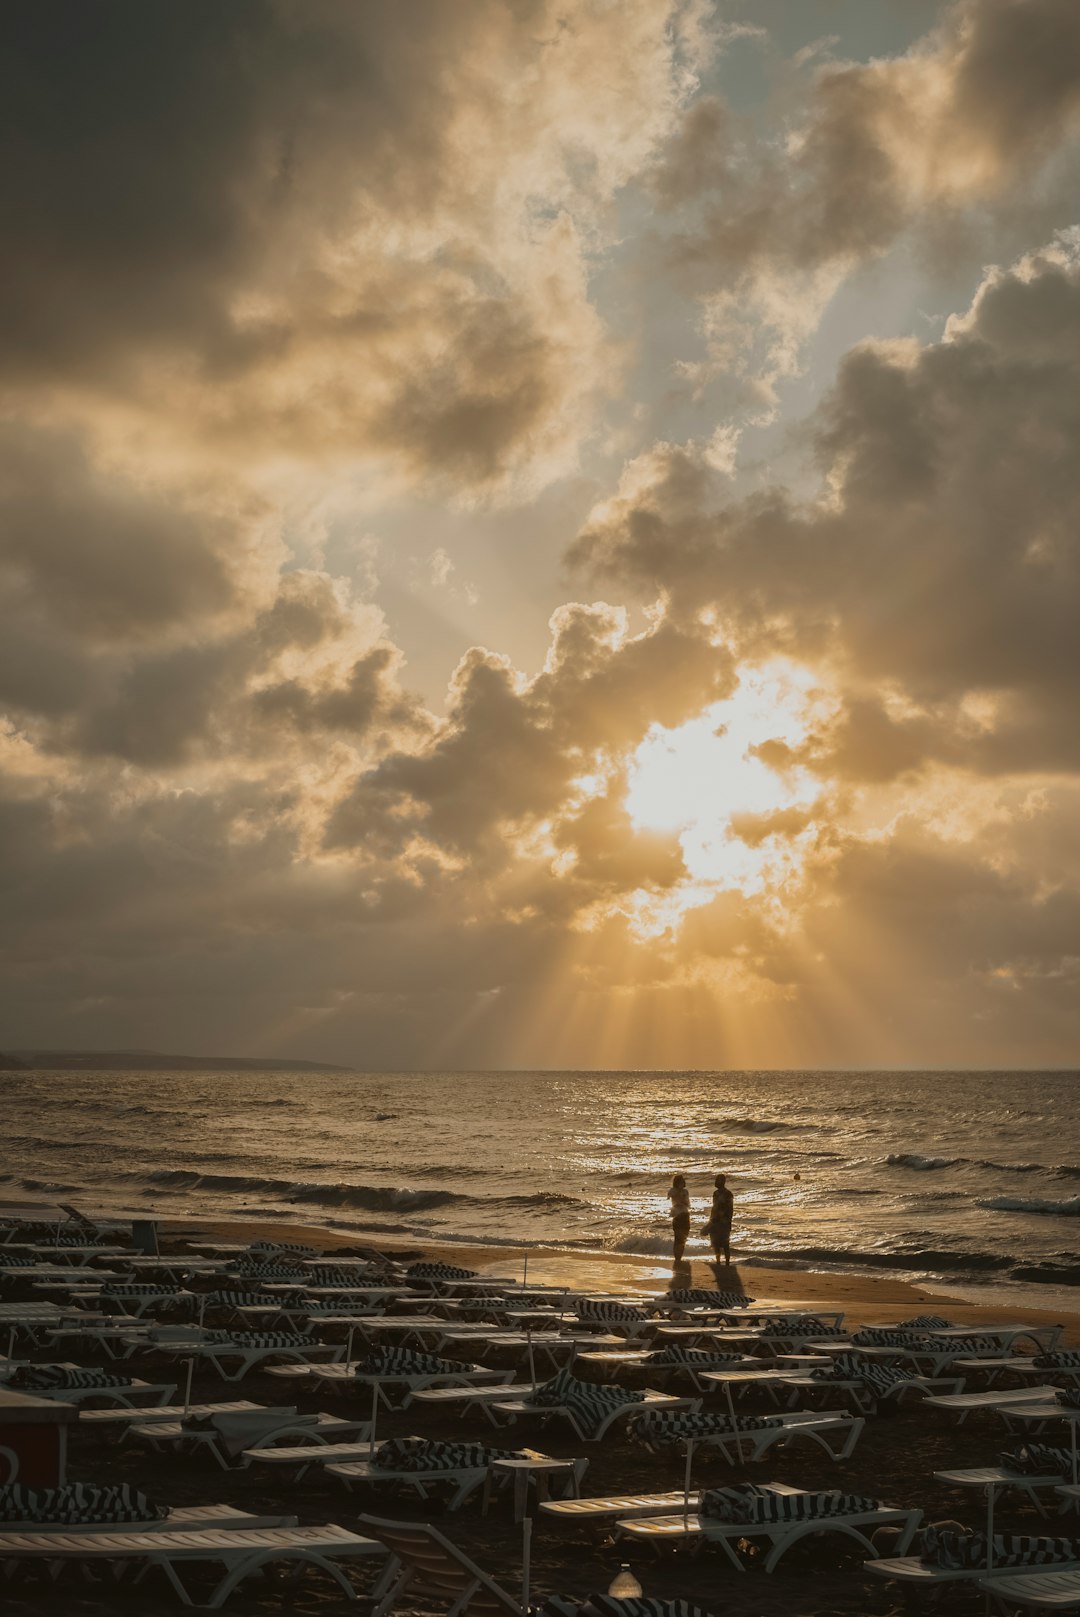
(728, 1273)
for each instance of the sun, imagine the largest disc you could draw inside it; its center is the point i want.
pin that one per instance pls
(727, 782)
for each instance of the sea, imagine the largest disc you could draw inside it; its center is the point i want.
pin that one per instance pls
(967, 1180)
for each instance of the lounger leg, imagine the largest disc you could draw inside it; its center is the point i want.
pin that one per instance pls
(256, 1562)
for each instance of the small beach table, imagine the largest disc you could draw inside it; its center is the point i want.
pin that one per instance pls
(537, 1470)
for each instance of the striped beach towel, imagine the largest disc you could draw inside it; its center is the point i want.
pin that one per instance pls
(689, 1296)
(1038, 1459)
(1058, 1359)
(748, 1503)
(439, 1271)
(655, 1428)
(241, 1340)
(945, 1547)
(62, 1377)
(268, 1271)
(401, 1361)
(589, 1404)
(78, 1504)
(270, 1249)
(879, 1379)
(330, 1274)
(691, 1359)
(595, 1311)
(925, 1322)
(802, 1325)
(1068, 1397)
(604, 1605)
(884, 1336)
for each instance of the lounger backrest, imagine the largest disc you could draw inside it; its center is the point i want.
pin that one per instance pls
(438, 1567)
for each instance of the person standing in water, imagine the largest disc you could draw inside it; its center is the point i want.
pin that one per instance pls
(718, 1229)
(679, 1197)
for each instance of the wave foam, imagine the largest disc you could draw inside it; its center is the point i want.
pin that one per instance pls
(1070, 1208)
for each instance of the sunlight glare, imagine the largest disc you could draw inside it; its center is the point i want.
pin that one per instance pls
(697, 779)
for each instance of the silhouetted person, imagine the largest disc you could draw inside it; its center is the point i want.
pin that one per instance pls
(679, 1197)
(718, 1229)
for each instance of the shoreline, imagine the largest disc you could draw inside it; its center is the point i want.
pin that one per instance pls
(864, 1298)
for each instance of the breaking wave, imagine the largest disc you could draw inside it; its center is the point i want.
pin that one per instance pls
(1070, 1208)
(366, 1198)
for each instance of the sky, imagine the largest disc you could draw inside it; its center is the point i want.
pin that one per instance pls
(541, 533)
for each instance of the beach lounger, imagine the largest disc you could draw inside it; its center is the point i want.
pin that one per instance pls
(402, 1369)
(749, 1437)
(1034, 1591)
(963, 1404)
(75, 1384)
(416, 1463)
(1035, 1467)
(49, 1511)
(604, 1509)
(621, 1319)
(427, 1568)
(300, 1457)
(238, 1552)
(464, 1400)
(782, 1518)
(232, 1437)
(962, 1557)
(124, 1417)
(590, 1409)
(672, 1362)
(245, 1351)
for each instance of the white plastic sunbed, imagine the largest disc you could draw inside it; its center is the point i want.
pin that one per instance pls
(1035, 1591)
(518, 1408)
(234, 1436)
(781, 1535)
(239, 1552)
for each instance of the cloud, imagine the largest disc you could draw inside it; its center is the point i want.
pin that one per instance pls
(977, 120)
(372, 243)
(941, 560)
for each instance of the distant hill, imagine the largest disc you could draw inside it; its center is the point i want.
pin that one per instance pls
(149, 1061)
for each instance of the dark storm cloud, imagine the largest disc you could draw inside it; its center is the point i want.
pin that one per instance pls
(322, 229)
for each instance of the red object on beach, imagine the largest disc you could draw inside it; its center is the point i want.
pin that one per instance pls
(33, 1439)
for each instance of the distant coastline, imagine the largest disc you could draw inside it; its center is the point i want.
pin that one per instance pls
(149, 1061)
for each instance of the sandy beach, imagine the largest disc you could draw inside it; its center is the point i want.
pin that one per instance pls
(894, 1461)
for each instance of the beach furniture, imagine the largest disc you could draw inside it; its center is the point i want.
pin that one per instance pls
(231, 1437)
(782, 1518)
(1034, 1591)
(109, 1508)
(422, 1465)
(622, 1319)
(125, 1417)
(244, 1350)
(963, 1404)
(300, 1457)
(427, 1568)
(591, 1410)
(238, 1552)
(73, 1384)
(673, 1362)
(960, 1557)
(748, 1437)
(464, 1400)
(532, 1470)
(604, 1509)
(396, 1367)
(1035, 1467)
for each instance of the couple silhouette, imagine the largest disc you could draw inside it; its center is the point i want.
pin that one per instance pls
(718, 1227)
